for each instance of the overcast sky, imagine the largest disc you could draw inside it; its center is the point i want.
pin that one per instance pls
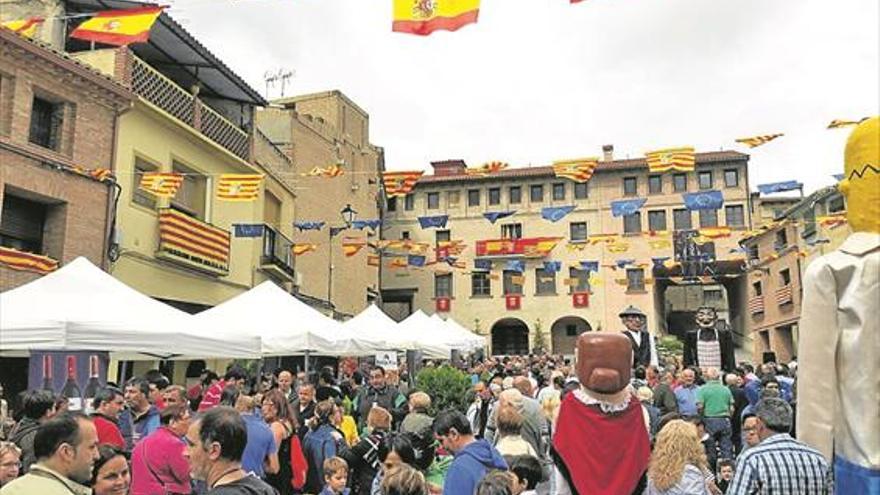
(539, 80)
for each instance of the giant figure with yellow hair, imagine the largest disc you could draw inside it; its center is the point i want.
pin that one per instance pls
(839, 344)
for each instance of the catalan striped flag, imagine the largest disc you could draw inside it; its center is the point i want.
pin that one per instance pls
(239, 187)
(24, 27)
(300, 249)
(119, 27)
(756, 305)
(755, 141)
(184, 236)
(679, 159)
(400, 183)
(423, 17)
(351, 247)
(29, 262)
(783, 295)
(579, 170)
(486, 169)
(329, 172)
(837, 123)
(161, 184)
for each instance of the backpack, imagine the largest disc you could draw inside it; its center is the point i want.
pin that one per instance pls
(299, 467)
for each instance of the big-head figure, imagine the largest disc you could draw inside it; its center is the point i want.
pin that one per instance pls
(839, 344)
(601, 444)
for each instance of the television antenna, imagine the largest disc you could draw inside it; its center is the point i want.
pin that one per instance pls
(280, 77)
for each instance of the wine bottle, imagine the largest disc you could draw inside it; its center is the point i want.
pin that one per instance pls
(71, 390)
(47, 373)
(93, 385)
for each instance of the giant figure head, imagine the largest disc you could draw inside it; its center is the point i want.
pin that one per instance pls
(861, 182)
(706, 317)
(604, 362)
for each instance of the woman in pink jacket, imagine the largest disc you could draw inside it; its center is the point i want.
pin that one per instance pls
(157, 461)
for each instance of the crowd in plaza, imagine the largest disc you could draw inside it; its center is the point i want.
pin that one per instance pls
(370, 431)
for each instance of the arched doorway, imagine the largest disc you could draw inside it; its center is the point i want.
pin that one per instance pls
(565, 331)
(510, 336)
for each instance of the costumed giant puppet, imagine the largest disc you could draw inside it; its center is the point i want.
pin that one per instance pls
(839, 342)
(710, 345)
(600, 444)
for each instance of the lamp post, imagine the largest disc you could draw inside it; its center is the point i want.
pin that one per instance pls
(348, 215)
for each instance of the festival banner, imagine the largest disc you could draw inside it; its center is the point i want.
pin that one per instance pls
(552, 266)
(515, 266)
(373, 260)
(715, 232)
(75, 376)
(529, 247)
(442, 304)
(624, 262)
(589, 266)
(619, 247)
(28, 262)
(415, 260)
(839, 123)
(352, 246)
(669, 159)
(556, 213)
(494, 216)
(329, 172)
(239, 187)
(190, 241)
(98, 174)
(300, 249)
(580, 299)
(606, 238)
(512, 302)
(625, 207)
(436, 221)
(483, 265)
(579, 170)
(247, 230)
(119, 27)
(308, 225)
(703, 200)
(423, 17)
(400, 183)
(660, 244)
(755, 141)
(486, 169)
(364, 224)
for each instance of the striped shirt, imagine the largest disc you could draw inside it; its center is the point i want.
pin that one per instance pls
(780, 465)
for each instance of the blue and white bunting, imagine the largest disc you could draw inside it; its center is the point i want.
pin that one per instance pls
(552, 266)
(626, 206)
(248, 229)
(308, 225)
(590, 266)
(659, 262)
(556, 213)
(624, 262)
(515, 266)
(703, 200)
(483, 265)
(437, 221)
(494, 216)
(363, 224)
(415, 260)
(776, 187)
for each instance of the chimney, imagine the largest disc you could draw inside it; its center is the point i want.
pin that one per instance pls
(608, 153)
(449, 167)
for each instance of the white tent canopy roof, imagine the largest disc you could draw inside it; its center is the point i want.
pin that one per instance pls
(428, 335)
(373, 330)
(474, 341)
(285, 324)
(81, 307)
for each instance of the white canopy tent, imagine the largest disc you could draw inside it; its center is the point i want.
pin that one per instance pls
(373, 330)
(473, 340)
(430, 336)
(285, 325)
(81, 307)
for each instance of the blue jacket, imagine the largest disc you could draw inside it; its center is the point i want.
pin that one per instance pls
(318, 445)
(470, 466)
(145, 424)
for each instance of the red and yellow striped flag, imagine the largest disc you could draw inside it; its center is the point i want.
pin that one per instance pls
(161, 184)
(579, 170)
(715, 232)
(119, 27)
(423, 17)
(837, 123)
(303, 248)
(29, 262)
(755, 141)
(486, 169)
(24, 27)
(330, 172)
(351, 247)
(680, 159)
(400, 183)
(606, 238)
(239, 187)
(373, 260)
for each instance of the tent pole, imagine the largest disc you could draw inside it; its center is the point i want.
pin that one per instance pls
(306, 363)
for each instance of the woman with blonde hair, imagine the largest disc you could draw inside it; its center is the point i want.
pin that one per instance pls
(678, 462)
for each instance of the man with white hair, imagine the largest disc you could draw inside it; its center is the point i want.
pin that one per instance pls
(715, 403)
(532, 418)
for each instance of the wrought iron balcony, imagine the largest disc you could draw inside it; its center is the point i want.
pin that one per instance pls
(277, 255)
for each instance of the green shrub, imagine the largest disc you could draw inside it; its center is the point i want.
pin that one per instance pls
(448, 388)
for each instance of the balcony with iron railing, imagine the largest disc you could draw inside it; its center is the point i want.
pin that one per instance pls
(159, 90)
(277, 254)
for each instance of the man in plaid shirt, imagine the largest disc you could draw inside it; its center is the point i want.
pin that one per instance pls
(779, 465)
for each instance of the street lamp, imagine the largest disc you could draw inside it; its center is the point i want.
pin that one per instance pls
(348, 215)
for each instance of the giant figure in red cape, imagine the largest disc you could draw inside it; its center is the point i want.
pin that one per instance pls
(601, 445)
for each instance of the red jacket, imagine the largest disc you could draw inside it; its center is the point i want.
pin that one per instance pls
(158, 464)
(108, 431)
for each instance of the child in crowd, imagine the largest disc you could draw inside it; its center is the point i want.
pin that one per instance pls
(726, 468)
(335, 477)
(527, 471)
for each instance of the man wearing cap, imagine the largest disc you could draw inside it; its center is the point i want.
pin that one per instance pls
(644, 349)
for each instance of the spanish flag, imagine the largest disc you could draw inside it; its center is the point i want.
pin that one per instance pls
(580, 170)
(119, 27)
(400, 183)
(755, 141)
(423, 17)
(351, 247)
(24, 27)
(161, 184)
(239, 187)
(303, 248)
(679, 159)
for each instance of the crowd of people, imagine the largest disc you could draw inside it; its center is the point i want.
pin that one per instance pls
(372, 432)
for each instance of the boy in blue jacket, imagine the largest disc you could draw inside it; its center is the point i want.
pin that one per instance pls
(473, 458)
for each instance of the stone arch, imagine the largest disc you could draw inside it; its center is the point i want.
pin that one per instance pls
(510, 336)
(565, 331)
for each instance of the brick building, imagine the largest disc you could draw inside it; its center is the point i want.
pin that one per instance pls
(512, 307)
(57, 116)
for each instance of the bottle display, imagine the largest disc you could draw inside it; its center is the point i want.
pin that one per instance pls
(47, 373)
(93, 385)
(71, 390)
